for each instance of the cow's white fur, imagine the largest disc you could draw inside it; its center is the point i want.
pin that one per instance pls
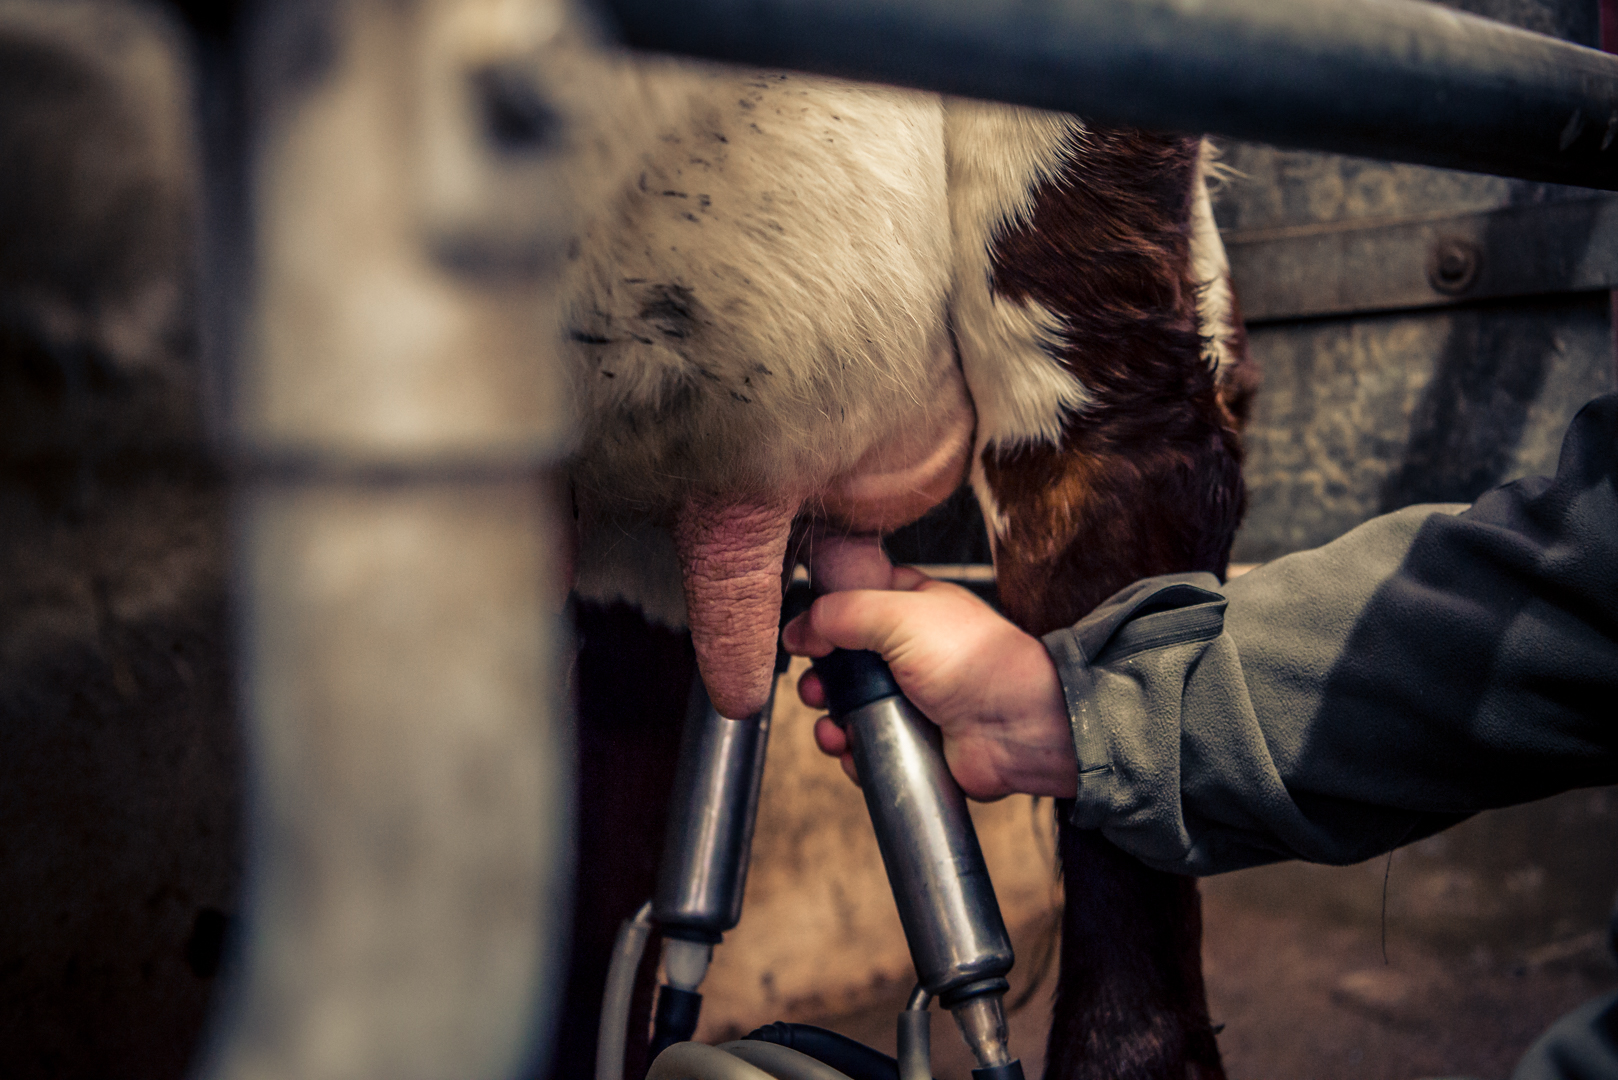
(772, 278)
(998, 154)
(774, 271)
(1211, 270)
(759, 304)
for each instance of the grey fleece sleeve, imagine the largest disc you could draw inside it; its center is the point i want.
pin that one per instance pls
(1339, 702)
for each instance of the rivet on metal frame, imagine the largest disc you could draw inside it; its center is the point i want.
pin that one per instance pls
(1453, 265)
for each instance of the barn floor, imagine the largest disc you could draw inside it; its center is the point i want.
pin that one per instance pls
(1307, 993)
(1302, 997)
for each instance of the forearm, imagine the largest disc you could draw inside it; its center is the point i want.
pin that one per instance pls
(1339, 702)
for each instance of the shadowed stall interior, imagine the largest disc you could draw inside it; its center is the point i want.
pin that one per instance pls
(120, 761)
(633, 682)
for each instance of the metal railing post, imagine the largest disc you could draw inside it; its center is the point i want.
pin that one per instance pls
(395, 421)
(1396, 79)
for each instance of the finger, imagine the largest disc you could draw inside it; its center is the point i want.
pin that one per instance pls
(839, 561)
(872, 618)
(860, 619)
(907, 579)
(798, 637)
(810, 692)
(849, 770)
(832, 740)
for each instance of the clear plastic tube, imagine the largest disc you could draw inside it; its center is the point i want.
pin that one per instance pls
(614, 1030)
(915, 1037)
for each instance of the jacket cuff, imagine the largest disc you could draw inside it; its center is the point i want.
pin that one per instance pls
(1152, 613)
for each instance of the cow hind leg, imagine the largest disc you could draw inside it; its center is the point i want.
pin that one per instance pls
(1123, 917)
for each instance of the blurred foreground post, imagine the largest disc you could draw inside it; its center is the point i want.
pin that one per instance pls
(382, 239)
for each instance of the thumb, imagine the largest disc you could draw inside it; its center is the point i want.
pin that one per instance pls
(858, 619)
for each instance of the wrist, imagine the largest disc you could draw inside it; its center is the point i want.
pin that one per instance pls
(1038, 757)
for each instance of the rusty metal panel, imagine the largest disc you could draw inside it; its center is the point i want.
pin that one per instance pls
(1359, 418)
(1362, 412)
(1380, 389)
(1432, 260)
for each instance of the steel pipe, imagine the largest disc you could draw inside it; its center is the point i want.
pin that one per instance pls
(712, 810)
(940, 883)
(946, 901)
(1393, 79)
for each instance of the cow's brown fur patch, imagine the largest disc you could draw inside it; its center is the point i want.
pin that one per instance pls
(1147, 478)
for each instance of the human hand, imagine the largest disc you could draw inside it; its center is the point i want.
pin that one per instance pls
(991, 689)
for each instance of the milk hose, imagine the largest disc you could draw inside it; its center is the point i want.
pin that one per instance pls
(614, 1030)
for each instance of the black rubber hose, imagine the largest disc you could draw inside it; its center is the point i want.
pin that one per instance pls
(674, 1018)
(853, 1059)
(1011, 1070)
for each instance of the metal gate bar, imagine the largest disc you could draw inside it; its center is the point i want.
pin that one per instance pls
(1395, 79)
